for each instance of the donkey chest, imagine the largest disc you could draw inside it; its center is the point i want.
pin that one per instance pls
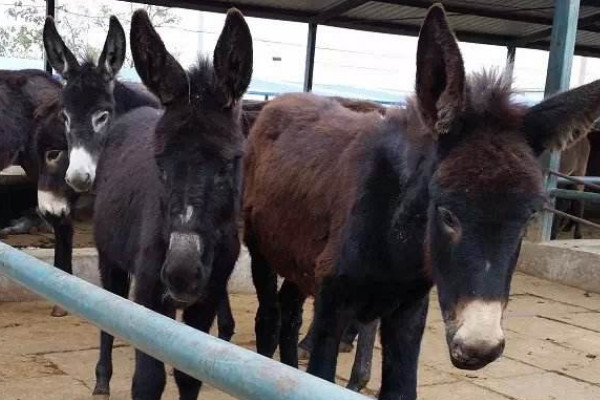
(376, 299)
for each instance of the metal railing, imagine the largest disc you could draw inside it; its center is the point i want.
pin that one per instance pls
(232, 369)
(592, 182)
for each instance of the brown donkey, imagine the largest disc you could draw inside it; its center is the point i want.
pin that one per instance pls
(573, 162)
(368, 213)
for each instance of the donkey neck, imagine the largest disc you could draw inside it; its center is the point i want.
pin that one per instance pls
(128, 98)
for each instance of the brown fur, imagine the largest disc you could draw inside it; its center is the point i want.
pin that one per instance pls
(303, 154)
(495, 158)
(352, 198)
(468, 167)
(312, 227)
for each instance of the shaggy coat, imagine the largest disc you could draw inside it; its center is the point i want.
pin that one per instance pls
(368, 213)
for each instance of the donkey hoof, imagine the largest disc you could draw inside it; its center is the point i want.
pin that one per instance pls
(58, 311)
(303, 354)
(101, 393)
(346, 347)
(355, 387)
(226, 338)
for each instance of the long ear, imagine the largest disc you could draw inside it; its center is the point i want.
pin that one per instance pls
(233, 57)
(440, 83)
(59, 56)
(560, 120)
(159, 71)
(113, 55)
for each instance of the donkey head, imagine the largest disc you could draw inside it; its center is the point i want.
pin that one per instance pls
(54, 195)
(486, 183)
(198, 146)
(87, 98)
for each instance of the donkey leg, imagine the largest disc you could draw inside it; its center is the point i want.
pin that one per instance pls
(291, 300)
(401, 333)
(149, 377)
(305, 346)
(267, 321)
(347, 343)
(361, 369)
(225, 320)
(116, 281)
(200, 316)
(331, 318)
(579, 212)
(556, 226)
(63, 252)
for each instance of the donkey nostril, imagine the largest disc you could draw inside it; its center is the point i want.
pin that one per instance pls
(86, 178)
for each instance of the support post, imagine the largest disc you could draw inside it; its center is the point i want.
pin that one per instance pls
(562, 47)
(50, 10)
(309, 65)
(511, 52)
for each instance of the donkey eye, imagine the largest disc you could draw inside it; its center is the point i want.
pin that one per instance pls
(100, 119)
(448, 218)
(52, 156)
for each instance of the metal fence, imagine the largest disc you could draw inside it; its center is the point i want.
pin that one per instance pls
(592, 182)
(232, 369)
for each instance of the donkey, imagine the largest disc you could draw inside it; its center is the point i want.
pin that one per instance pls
(368, 213)
(92, 99)
(168, 192)
(33, 135)
(573, 161)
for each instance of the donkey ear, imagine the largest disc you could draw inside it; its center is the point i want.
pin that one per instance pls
(59, 56)
(113, 55)
(159, 71)
(560, 120)
(440, 83)
(233, 57)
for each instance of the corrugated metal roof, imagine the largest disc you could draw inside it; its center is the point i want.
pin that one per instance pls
(500, 22)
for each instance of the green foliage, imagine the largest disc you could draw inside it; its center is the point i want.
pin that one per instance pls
(23, 22)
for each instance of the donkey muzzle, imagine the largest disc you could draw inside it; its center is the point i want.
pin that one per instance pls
(82, 170)
(478, 338)
(183, 273)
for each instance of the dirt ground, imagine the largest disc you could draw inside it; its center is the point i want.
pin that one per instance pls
(84, 237)
(552, 353)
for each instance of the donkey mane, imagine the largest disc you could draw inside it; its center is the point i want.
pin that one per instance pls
(490, 97)
(204, 84)
(205, 93)
(484, 160)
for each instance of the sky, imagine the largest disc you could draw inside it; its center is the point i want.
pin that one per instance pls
(358, 59)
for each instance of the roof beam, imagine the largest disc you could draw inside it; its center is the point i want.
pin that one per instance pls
(223, 6)
(495, 13)
(480, 11)
(366, 25)
(336, 10)
(546, 32)
(413, 30)
(465, 36)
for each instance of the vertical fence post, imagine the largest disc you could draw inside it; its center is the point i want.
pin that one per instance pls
(562, 47)
(50, 9)
(309, 66)
(511, 52)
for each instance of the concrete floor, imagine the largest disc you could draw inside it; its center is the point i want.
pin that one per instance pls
(552, 353)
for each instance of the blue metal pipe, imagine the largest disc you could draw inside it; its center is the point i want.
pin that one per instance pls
(575, 195)
(232, 369)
